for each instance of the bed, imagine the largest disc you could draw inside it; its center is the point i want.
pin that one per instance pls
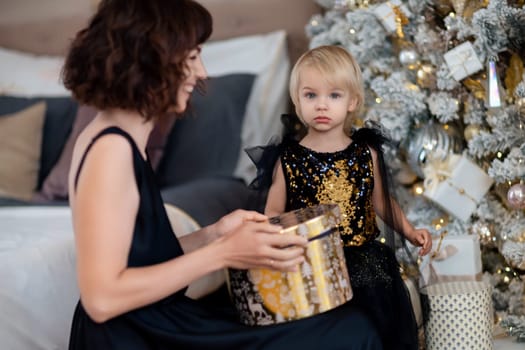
(254, 43)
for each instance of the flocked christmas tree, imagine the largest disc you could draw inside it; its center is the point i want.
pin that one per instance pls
(446, 79)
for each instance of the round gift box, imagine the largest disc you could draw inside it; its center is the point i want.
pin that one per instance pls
(321, 283)
(458, 315)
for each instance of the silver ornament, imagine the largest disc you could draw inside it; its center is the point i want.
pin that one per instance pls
(516, 196)
(409, 58)
(432, 142)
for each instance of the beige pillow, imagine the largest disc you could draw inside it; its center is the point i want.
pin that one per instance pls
(182, 224)
(20, 147)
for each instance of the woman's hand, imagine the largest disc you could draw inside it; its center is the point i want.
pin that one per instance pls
(234, 219)
(258, 244)
(420, 238)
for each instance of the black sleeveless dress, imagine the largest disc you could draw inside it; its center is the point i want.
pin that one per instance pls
(346, 177)
(178, 322)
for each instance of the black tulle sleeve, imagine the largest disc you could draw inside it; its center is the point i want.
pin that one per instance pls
(265, 159)
(373, 136)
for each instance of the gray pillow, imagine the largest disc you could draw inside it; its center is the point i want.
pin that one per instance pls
(208, 199)
(206, 141)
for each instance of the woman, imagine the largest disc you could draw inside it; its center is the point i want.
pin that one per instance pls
(135, 62)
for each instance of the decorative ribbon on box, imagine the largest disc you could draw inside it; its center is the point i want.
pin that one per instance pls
(462, 61)
(458, 315)
(456, 184)
(454, 258)
(322, 283)
(390, 13)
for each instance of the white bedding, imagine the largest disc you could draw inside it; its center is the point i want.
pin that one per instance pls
(38, 286)
(38, 289)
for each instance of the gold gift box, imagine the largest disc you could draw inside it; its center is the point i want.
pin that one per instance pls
(321, 283)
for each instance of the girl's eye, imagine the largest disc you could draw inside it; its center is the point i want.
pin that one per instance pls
(335, 95)
(309, 95)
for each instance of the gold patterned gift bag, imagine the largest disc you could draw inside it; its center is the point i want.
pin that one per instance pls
(458, 315)
(321, 283)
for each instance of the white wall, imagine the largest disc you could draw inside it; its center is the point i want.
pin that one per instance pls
(23, 11)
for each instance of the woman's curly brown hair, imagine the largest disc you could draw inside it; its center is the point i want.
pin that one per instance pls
(131, 55)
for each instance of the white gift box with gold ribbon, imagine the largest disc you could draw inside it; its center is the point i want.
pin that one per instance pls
(453, 258)
(458, 315)
(386, 13)
(456, 185)
(462, 61)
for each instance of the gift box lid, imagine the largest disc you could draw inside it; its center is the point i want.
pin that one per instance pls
(458, 296)
(311, 222)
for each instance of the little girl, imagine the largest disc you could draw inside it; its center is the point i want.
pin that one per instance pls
(334, 164)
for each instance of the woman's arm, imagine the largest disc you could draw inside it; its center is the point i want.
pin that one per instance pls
(210, 233)
(276, 201)
(418, 237)
(104, 211)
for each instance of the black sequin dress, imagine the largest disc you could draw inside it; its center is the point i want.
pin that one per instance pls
(346, 177)
(177, 322)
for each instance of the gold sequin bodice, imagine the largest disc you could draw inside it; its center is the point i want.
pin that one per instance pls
(344, 177)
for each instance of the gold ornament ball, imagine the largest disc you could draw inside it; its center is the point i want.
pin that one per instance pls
(426, 76)
(471, 130)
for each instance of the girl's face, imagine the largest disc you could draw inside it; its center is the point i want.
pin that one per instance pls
(195, 72)
(322, 106)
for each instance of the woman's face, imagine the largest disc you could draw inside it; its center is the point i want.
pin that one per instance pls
(195, 72)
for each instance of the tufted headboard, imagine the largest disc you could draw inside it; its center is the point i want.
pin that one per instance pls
(255, 37)
(46, 26)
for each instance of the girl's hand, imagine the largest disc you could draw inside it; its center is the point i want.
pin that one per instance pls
(420, 238)
(234, 219)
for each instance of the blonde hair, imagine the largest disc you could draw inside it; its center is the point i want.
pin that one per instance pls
(339, 68)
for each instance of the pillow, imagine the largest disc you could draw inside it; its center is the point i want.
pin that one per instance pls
(183, 224)
(20, 142)
(207, 141)
(207, 200)
(26, 75)
(55, 186)
(265, 56)
(60, 113)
